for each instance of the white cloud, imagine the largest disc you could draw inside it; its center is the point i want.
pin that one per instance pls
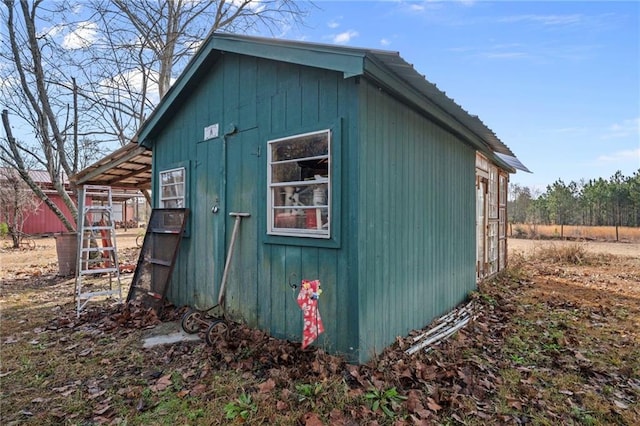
(427, 5)
(627, 128)
(534, 53)
(333, 24)
(8, 83)
(195, 45)
(385, 42)
(545, 19)
(345, 37)
(256, 6)
(77, 9)
(84, 35)
(51, 31)
(132, 82)
(622, 156)
(505, 51)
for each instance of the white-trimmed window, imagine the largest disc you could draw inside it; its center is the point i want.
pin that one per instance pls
(299, 185)
(172, 188)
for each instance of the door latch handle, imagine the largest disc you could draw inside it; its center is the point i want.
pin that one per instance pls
(215, 209)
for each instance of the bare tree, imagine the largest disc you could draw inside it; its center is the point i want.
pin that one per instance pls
(17, 203)
(97, 84)
(146, 44)
(31, 97)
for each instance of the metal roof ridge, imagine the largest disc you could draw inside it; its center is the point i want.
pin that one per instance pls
(301, 44)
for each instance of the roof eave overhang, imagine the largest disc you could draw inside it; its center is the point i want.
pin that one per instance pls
(99, 169)
(502, 164)
(513, 162)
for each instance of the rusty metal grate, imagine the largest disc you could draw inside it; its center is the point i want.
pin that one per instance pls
(157, 257)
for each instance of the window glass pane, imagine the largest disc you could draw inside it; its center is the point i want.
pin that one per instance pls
(172, 188)
(173, 176)
(170, 204)
(170, 191)
(300, 147)
(299, 179)
(285, 172)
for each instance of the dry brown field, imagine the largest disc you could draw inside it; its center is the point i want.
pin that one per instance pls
(595, 233)
(44, 256)
(530, 247)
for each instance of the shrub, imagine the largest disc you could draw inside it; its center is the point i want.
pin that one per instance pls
(4, 229)
(519, 232)
(574, 254)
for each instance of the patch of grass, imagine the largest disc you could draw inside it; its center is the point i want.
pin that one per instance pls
(516, 268)
(310, 393)
(576, 361)
(242, 408)
(583, 417)
(574, 253)
(171, 409)
(388, 401)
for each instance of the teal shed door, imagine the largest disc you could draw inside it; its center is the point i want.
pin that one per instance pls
(206, 230)
(228, 170)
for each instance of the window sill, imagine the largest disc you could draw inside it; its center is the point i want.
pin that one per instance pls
(302, 241)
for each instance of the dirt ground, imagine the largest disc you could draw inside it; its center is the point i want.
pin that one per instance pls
(552, 341)
(44, 255)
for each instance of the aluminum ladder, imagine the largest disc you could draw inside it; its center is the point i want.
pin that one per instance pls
(97, 265)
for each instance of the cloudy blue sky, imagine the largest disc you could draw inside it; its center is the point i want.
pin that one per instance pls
(558, 82)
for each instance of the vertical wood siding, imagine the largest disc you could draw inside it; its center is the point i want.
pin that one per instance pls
(406, 251)
(416, 243)
(264, 99)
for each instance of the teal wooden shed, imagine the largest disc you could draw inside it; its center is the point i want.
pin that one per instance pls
(355, 171)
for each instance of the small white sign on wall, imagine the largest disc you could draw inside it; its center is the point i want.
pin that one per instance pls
(211, 132)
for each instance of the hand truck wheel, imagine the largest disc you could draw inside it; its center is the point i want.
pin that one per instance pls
(191, 321)
(216, 332)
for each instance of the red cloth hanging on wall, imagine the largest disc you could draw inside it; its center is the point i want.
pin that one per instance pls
(308, 301)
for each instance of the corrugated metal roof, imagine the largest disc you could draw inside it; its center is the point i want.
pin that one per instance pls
(513, 162)
(40, 177)
(127, 167)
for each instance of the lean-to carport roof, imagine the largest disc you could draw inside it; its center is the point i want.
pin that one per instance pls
(128, 167)
(386, 68)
